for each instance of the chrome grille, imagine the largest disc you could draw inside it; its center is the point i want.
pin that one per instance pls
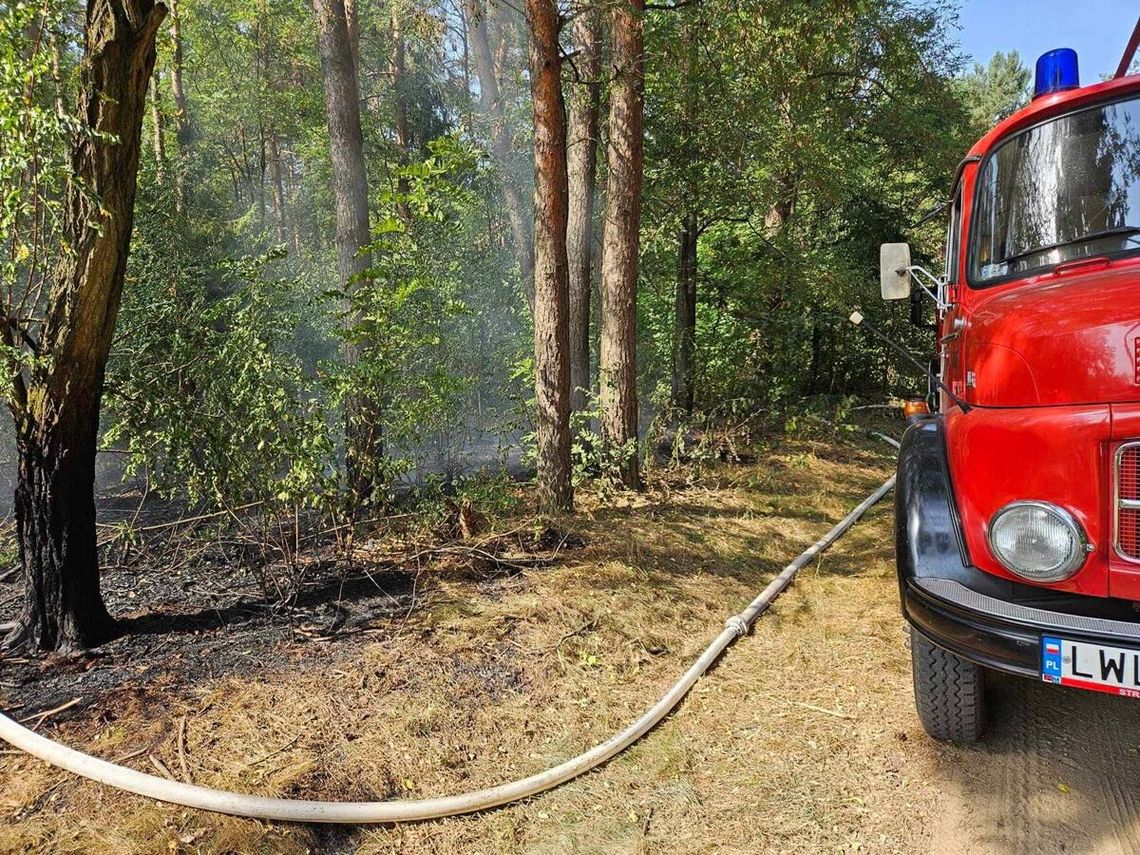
(1128, 501)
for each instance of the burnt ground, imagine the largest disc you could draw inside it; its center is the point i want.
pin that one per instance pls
(196, 604)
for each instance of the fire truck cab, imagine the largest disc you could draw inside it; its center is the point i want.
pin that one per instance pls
(1018, 501)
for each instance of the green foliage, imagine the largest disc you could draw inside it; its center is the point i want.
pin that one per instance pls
(406, 316)
(34, 130)
(595, 462)
(801, 137)
(994, 91)
(202, 388)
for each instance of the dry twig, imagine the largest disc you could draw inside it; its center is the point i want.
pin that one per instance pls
(41, 717)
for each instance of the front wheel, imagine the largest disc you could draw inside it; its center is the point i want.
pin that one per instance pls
(949, 692)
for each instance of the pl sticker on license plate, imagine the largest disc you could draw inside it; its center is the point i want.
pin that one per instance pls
(1090, 666)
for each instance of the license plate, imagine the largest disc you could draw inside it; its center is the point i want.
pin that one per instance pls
(1098, 667)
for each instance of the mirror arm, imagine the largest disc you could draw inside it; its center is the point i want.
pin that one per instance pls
(914, 270)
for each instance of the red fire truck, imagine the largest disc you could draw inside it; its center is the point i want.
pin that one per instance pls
(1018, 501)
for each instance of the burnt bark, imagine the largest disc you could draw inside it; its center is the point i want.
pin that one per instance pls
(502, 143)
(56, 406)
(363, 437)
(551, 274)
(617, 369)
(685, 314)
(582, 147)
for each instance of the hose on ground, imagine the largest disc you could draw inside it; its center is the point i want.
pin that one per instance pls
(290, 810)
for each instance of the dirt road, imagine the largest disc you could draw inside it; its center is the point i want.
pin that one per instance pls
(1060, 772)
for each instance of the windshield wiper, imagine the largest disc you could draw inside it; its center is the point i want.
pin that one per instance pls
(1117, 231)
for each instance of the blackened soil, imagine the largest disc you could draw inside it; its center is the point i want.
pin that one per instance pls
(199, 605)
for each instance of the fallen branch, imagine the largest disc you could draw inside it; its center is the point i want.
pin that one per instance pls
(154, 761)
(41, 717)
(181, 520)
(130, 755)
(284, 747)
(182, 750)
(814, 708)
(586, 627)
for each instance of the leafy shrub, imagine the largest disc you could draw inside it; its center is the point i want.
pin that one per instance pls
(202, 389)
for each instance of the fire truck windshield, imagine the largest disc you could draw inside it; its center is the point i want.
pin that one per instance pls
(1063, 190)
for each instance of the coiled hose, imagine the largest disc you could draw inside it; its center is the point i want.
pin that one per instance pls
(290, 810)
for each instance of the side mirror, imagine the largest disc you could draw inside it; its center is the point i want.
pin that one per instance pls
(894, 276)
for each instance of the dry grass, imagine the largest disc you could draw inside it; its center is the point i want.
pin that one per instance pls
(796, 741)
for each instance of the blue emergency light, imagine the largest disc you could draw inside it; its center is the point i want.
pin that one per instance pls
(1056, 71)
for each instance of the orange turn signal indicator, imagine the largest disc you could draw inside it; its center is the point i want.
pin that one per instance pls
(915, 407)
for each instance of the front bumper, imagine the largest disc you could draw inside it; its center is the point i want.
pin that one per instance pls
(1006, 635)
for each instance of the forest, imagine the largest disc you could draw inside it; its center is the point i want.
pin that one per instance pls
(283, 280)
(316, 254)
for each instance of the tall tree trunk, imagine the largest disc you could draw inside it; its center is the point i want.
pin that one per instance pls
(582, 147)
(400, 108)
(685, 325)
(363, 439)
(352, 22)
(277, 177)
(778, 214)
(181, 109)
(56, 74)
(551, 277)
(57, 408)
(617, 369)
(259, 182)
(399, 50)
(159, 131)
(685, 300)
(502, 144)
(184, 131)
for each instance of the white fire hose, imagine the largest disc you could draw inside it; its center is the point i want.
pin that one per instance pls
(291, 810)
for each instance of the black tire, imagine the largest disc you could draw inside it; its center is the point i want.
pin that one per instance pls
(948, 691)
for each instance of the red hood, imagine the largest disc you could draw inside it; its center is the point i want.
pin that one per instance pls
(1057, 340)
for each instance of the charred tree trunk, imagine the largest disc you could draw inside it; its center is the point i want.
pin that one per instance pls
(617, 369)
(363, 439)
(582, 147)
(57, 407)
(551, 277)
(686, 315)
(502, 144)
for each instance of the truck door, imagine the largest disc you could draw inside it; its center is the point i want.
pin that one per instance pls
(952, 320)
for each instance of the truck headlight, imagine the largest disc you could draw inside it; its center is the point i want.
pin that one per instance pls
(1038, 541)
